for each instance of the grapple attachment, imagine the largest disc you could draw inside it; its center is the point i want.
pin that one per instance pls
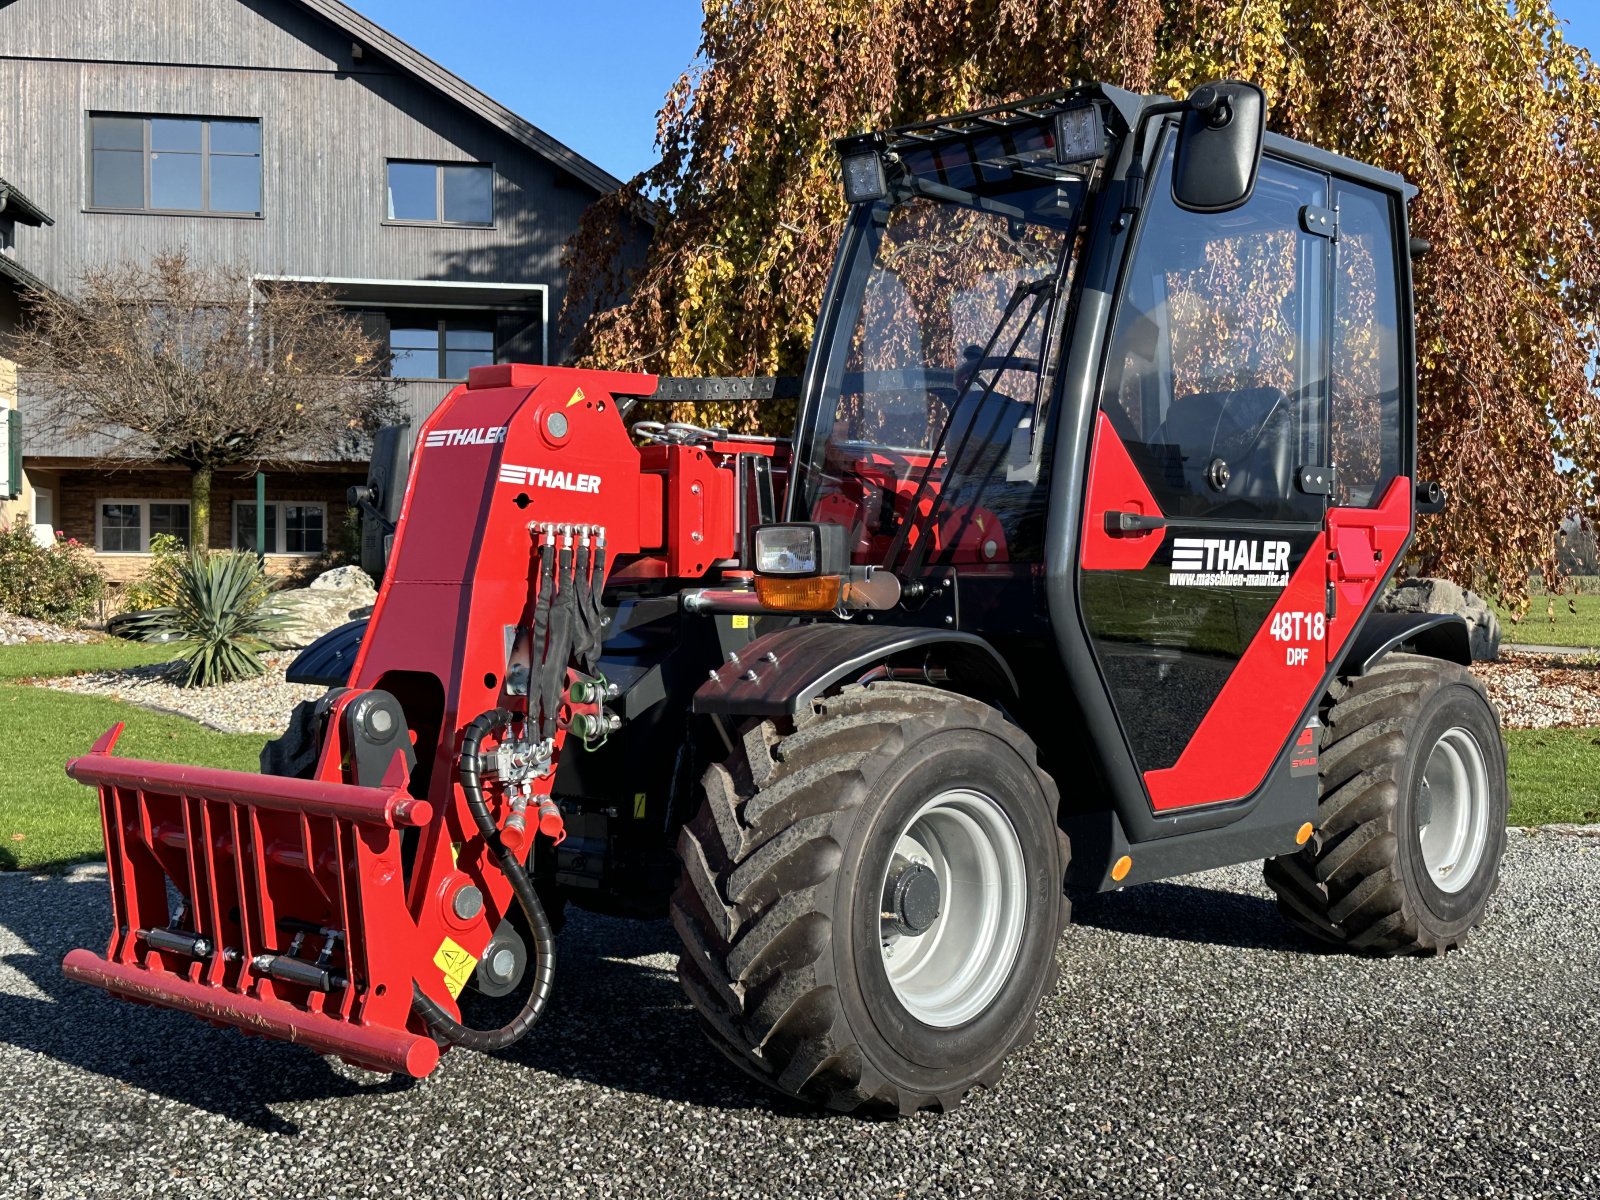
(275, 905)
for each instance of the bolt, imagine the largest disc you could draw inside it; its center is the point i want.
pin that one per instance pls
(556, 424)
(752, 677)
(715, 678)
(771, 657)
(503, 963)
(733, 658)
(949, 620)
(467, 902)
(694, 489)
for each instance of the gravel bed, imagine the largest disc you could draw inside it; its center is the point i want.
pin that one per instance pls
(1536, 691)
(15, 630)
(259, 705)
(1195, 1047)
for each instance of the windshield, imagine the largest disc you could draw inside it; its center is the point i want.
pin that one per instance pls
(938, 360)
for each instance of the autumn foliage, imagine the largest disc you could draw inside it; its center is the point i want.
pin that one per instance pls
(1487, 109)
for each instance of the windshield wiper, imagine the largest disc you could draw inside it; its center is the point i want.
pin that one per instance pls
(1041, 290)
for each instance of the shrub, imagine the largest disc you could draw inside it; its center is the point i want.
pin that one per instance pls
(159, 586)
(48, 583)
(217, 616)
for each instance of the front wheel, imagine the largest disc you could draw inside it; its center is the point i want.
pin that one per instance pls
(870, 902)
(1412, 821)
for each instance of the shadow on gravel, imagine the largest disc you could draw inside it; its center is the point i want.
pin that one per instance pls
(1181, 912)
(623, 1024)
(612, 1021)
(166, 1052)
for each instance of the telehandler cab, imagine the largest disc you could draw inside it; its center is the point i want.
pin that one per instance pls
(1066, 579)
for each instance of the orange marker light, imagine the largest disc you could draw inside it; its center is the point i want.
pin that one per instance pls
(1303, 835)
(799, 593)
(1119, 870)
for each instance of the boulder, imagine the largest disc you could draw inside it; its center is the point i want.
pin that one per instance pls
(1424, 595)
(343, 579)
(332, 599)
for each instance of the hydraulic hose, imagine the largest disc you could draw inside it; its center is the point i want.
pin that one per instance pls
(544, 938)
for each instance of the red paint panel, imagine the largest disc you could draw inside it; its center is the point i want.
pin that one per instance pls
(1366, 542)
(1115, 485)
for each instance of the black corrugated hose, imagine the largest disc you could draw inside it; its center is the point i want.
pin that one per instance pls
(544, 938)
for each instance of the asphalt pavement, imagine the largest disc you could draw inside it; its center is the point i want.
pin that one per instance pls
(1195, 1047)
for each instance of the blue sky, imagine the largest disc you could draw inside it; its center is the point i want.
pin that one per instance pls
(592, 73)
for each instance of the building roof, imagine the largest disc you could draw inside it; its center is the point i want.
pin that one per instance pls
(19, 208)
(20, 277)
(453, 87)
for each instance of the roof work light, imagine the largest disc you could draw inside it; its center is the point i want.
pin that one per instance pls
(861, 165)
(1079, 135)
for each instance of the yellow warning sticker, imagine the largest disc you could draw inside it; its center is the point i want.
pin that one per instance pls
(638, 806)
(741, 620)
(457, 963)
(455, 854)
(577, 397)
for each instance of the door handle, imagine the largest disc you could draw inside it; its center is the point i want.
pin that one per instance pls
(1132, 524)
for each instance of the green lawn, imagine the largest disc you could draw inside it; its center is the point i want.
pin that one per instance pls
(1555, 775)
(37, 660)
(1567, 628)
(47, 820)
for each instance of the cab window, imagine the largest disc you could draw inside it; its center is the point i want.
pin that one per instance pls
(1365, 380)
(1214, 381)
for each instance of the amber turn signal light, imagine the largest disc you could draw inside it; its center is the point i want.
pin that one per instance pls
(799, 593)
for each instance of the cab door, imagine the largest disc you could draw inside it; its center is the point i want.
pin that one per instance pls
(1202, 578)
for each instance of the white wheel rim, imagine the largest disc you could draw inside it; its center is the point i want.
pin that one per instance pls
(950, 972)
(1452, 810)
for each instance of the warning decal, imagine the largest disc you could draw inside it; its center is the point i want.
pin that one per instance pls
(457, 963)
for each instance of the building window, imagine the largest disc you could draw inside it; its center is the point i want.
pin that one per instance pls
(126, 526)
(441, 193)
(438, 349)
(292, 527)
(175, 164)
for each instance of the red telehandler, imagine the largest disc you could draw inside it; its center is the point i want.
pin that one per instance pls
(1066, 579)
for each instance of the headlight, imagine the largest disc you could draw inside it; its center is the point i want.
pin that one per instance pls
(799, 550)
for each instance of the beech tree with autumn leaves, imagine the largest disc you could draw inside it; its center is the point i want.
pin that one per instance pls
(1484, 106)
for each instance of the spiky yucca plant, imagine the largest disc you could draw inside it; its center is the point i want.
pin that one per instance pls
(218, 616)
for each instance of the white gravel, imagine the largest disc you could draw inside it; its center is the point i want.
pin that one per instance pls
(1195, 1047)
(1540, 691)
(15, 630)
(259, 705)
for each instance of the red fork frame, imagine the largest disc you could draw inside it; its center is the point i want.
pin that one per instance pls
(257, 859)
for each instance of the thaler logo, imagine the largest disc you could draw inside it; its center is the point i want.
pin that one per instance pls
(465, 437)
(563, 481)
(1228, 562)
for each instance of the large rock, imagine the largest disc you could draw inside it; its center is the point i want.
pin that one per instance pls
(1424, 595)
(333, 598)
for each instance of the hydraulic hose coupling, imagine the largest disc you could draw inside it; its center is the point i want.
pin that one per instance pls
(551, 823)
(515, 833)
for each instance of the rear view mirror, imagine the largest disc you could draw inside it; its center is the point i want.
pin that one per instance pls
(1219, 146)
(379, 501)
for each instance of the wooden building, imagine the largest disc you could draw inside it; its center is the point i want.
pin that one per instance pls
(301, 141)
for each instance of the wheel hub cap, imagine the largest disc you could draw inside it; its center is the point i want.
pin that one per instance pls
(912, 905)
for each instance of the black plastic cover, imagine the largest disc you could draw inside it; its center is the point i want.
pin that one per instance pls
(329, 659)
(1219, 151)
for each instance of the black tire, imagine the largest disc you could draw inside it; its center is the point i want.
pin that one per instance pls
(778, 907)
(1362, 881)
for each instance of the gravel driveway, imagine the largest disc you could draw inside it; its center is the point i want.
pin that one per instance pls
(1194, 1048)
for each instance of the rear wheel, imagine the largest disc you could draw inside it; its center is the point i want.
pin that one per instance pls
(870, 902)
(1412, 821)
